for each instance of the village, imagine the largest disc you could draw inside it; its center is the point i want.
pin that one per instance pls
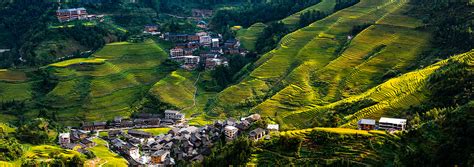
(192, 50)
(182, 142)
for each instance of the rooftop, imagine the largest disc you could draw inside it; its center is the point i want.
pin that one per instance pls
(392, 120)
(230, 128)
(171, 111)
(367, 121)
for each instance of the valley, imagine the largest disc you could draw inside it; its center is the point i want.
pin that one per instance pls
(315, 70)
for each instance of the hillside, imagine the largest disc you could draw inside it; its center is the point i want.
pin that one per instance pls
(96, 88)
(326, 62)
(108, 84)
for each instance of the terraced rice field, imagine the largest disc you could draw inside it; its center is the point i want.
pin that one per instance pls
(15, 91)
(302, 53)
(304, 132)
(395, 94)
(248, 37)
(43, 153)
(107, 84)
(12, 76)
(79, 61)
(107, 158)
(176, 89)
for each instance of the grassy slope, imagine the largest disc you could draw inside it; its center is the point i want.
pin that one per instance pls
(310, 71)
(176, 89)
(249, 36)
(107, 158)
(14, 85)
(103, 90)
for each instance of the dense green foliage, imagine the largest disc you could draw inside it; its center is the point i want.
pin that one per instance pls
(259, 12)
(270, 37)
(226, 75)
(10, 149)
(451, 24)
(37, 131)
(341, 4)
(235, 153)
(309, 17)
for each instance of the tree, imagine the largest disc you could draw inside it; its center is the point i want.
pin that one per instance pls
(35, 132)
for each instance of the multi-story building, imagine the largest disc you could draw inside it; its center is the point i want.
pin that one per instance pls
(177, 52)
(392, 123)
(71, 14)
(205, 40)
(230, 132)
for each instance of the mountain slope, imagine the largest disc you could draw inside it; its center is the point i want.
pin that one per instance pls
(288, 70)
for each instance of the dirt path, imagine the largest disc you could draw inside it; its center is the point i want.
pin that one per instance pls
(195, 92)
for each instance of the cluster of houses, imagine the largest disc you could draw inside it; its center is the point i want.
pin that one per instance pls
(76, 139)
(181, 143)
(143, 120)
(384, 123)
(192, 49)
(65, 15)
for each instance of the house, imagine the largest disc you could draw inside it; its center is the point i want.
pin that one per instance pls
(205, 40)
(117, 121)
(177, 52)
(215, 42)
(230, 132)
(114, 133)
(174, 115)
(232, 51)
(132, 151)
(64, 138)
(230, 122)
(139, 134)
(88, 126)
(252, 118)
(175, 37)
(151, 28)
(201, 13)
(257, 134)
(78, 135)
(127, 123)
(188, 51)
(200, 34)
(71, 14)
(392, 123)
(202, 24)
(273, 127)
(212, 63)
(232, 43)
(152, 121)
(88, 142)
(99, 125)
(159, 157)
(243, 125)
(366, 124)
(192, 37)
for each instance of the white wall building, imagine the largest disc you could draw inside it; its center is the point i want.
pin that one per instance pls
(205, 40)
(392, 123)
(230, 132)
